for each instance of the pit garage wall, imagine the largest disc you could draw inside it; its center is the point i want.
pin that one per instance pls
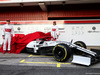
(27, 13)
(87, 31)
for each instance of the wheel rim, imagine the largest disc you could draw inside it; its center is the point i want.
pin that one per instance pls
(59, 53)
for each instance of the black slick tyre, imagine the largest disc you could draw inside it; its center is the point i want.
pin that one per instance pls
(81, 44)
(61, 52)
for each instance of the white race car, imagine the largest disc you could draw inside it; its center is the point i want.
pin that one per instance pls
(62, 50)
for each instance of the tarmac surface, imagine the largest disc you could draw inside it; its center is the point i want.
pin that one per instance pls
(30, 64)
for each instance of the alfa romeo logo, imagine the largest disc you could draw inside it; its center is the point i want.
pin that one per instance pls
(18, 28)
(94, 28)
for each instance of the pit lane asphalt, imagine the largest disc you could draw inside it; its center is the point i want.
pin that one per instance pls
(29, 64)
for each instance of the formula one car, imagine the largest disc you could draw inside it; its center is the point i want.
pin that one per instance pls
(62, 50)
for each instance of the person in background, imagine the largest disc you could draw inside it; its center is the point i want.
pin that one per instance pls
(54, 30)
(6, 34)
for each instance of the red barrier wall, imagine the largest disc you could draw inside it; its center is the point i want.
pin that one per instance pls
(25, 13)
(35, 12)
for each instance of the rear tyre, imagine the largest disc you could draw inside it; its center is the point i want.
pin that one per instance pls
(81, 44)
(61, 52)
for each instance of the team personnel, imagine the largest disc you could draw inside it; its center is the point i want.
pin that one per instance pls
(54, 30)
(6, 34)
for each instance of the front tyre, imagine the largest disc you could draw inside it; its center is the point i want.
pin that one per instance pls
(61, 52)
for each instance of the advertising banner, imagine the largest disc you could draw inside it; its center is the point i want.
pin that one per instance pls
(86, 31)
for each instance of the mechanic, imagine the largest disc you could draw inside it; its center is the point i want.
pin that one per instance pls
(6, 34)
(54, 31)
